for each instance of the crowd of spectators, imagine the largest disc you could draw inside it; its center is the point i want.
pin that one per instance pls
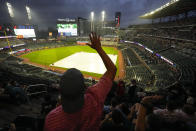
(131, 108)
(167, 110)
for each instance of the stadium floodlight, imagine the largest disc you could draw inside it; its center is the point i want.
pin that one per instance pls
(28, 12)
(92, 16)
(103, 18)
(10, 9)
(103, 15)
(92, 21)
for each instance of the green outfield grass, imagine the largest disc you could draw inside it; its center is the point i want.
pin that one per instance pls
(49, 56)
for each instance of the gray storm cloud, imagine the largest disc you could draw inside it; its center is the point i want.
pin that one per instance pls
(45, 12)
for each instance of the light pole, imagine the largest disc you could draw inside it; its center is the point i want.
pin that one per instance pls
(103, 18)
(92, 21)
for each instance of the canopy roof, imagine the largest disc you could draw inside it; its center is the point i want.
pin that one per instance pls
(172, 8)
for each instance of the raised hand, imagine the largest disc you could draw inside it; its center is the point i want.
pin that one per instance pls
(96, 44)
(95, 41)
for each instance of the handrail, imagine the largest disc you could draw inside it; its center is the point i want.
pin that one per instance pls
(144, 63)
(35, 93)
(30, 94)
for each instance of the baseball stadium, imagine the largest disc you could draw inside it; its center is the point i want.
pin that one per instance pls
(126, 68)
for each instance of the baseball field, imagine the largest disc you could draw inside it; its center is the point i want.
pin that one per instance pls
(83, 58)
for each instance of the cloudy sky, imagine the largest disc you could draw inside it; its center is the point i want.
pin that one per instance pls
(46, 12)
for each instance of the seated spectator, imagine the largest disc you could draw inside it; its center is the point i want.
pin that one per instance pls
(132, 116)
(115, 121)
(16, 93)
(82, 110)
(111, 94)
(15, 83)
(190, 111)
(178, 94)
(93, 81)
(114, 103)
(9, 89)
(142, 110)
(120, 89)
(124, 108)
(20, 94)
(171, 111)
(12, 127)
(55, 85)
(153, 122)
(47, 105)
(190, 100)
(58, 101)
(132, 92)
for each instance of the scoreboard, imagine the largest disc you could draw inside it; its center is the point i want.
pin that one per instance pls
(67, 29)
(24, 31)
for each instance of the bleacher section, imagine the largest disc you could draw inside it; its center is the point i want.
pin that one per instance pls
(172, 40)
(135, 69)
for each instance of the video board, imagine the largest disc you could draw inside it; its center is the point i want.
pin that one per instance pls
(67, 29)
(25, 31)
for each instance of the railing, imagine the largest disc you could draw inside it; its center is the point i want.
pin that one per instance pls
(33, 89)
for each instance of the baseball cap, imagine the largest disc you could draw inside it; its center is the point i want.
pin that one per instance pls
(72, 90)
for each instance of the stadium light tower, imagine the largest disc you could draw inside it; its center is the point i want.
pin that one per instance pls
(28, 12)
(103, 15)
(92, 21)
(102, 20)
(10, 9)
